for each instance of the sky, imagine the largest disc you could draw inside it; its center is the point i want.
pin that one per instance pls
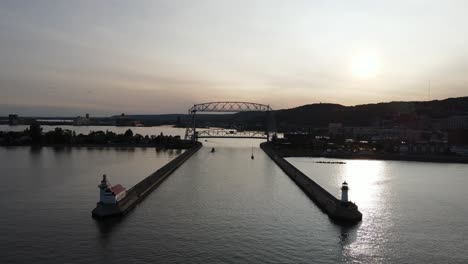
(67, 58)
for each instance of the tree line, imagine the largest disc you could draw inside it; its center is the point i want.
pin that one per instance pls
(35, 136)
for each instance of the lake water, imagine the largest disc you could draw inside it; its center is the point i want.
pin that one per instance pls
(412, 211)
(223, 207)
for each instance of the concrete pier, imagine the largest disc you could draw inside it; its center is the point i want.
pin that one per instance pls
(344, 212)
(138, 192)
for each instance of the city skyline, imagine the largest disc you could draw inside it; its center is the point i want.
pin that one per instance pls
(156, 57)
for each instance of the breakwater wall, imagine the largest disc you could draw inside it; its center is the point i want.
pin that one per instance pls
(142, 189)
(333, 207)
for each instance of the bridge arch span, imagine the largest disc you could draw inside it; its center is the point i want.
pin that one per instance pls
(228, 107)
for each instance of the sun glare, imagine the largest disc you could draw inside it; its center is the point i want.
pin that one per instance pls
(365, 66)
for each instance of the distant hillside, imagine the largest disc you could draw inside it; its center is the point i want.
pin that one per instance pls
(175, 117)
(322, 114)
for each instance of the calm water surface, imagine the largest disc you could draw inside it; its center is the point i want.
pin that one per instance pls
(223, 207)
(413, 212)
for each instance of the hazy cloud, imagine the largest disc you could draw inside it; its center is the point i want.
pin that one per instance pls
(107, 57)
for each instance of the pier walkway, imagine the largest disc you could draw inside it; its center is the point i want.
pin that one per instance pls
(345, 212)
(138, 192)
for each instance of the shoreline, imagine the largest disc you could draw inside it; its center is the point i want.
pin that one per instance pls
(296, 153)
(343, 213)
(139, 191)
(94, 146)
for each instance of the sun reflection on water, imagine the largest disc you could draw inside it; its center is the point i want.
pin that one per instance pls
(363, 177)
(366, 179)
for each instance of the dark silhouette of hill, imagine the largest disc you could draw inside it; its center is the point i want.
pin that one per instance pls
(320, 115)
(362, 115)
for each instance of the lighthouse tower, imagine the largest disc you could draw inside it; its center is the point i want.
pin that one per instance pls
(106, 196)
(344, 192)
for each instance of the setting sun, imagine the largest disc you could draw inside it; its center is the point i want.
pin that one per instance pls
(365, 66)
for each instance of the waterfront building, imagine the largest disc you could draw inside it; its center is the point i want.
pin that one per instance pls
(460, 150)
(124, 120)
(424, 147)
(458, 122)
(335, 128)
(82, 121)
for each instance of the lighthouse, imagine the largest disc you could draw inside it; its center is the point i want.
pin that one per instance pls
(110, 194)
(344, 192)
(104, 190)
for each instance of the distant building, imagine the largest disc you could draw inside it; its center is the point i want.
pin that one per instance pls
(382, 123)
(124, 120)
(403, 148)
(376, 139)
(458, 137)
(457, 122)
(13, 120)
(82, 121)
(439, 124)
(424, 147)
(460, 150)
(369, 132)
(335, 128)
(300, 138)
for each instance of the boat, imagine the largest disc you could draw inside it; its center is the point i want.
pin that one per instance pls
(252, 156)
